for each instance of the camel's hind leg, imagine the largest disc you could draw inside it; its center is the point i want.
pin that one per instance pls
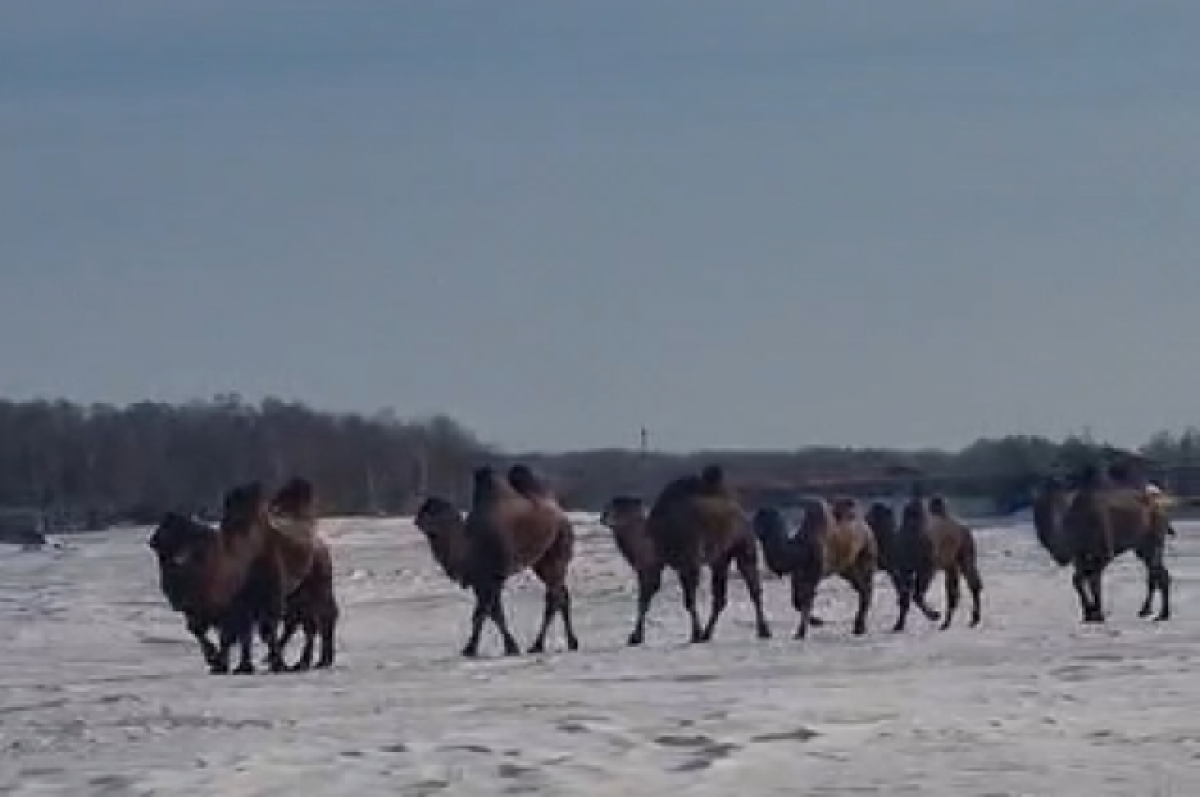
(953, 578)
(551, 569)
(689, 584)
(1158, 578)
(804, 594)
(902, 583)
(861, 577)
(746, 559)
(719, 597)
(649, 583)
(970, 571)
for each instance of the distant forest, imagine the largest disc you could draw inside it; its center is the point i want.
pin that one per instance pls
(131, 463)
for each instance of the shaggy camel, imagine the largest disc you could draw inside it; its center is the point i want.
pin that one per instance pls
(241, 576)
(932, 540)
(902, 557)
(831, 541)
(695, 521)
(1089, 527)
(504, 533)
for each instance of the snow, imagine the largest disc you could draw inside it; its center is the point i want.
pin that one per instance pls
(103, 692)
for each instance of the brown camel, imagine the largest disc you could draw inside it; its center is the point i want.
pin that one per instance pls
(234, 579)
(504, 533)
(931, 539)
(831, 541)
(696, 521)
(902, 557)
(1089, 527)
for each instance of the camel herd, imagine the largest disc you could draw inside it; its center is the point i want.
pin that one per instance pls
(265, 569)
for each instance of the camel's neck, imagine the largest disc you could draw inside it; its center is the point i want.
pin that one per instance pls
(634, 544)
(451, 549)
(1047, 523)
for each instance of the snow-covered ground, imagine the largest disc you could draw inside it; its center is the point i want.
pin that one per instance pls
(102, 692)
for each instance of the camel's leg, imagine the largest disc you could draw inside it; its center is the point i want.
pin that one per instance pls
(1158, 577)
(327, 631)
(953, 592)
(922, 581)
(1079, 580)
(557, 601)
(719, 597)
(478, 615)
(649, 583)
(511, 648)
(1149, 557)
(902, 583)
(246, 645)
(970, 572)
(1096, 587)
(746, 559)
(804, 594)
(689, 584)
(199, 630)
(227, 638)
(861, 579)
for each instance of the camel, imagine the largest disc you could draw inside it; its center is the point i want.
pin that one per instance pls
(1087, 528)
(504, 533)
(237, 577)
(831, 541)
(902, 558)
(695, 521)
(931, 539)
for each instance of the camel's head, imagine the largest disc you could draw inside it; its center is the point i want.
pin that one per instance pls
(183, 547)
(243, 508)
(881, 518)
(712, 476)
(912, 516)
(623, 511)
(437, 518)
(938, 507)
(843, 508)
(294, 498)
(523, 480)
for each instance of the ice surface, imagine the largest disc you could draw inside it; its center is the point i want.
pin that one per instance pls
(103, 692)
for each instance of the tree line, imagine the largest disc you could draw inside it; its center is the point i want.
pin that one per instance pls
(135, 461)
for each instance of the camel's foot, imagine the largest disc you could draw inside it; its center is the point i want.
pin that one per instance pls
(860, 628)
(1093, 616)
(816, 622)
(303, 665)
(975, 621)
(471, 651)
(218, 668)
(763, 631)
(511, 648)
(932, 615)
(1162, 616)
(1146, 611)
(572, 643)
(898, 628)
(634, 639)
(324, 663)
(245, 668)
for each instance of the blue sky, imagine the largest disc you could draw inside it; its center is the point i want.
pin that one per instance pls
(766, 224)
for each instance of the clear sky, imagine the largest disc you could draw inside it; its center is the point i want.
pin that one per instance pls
(762, 224)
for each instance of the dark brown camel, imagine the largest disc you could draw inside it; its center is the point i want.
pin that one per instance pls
(504, 533)
(931, 539)
(902, 558)
(312, 605)
(831, 541)
(696, 521)
(1090, 527)
(233, 579)
(230, 579)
